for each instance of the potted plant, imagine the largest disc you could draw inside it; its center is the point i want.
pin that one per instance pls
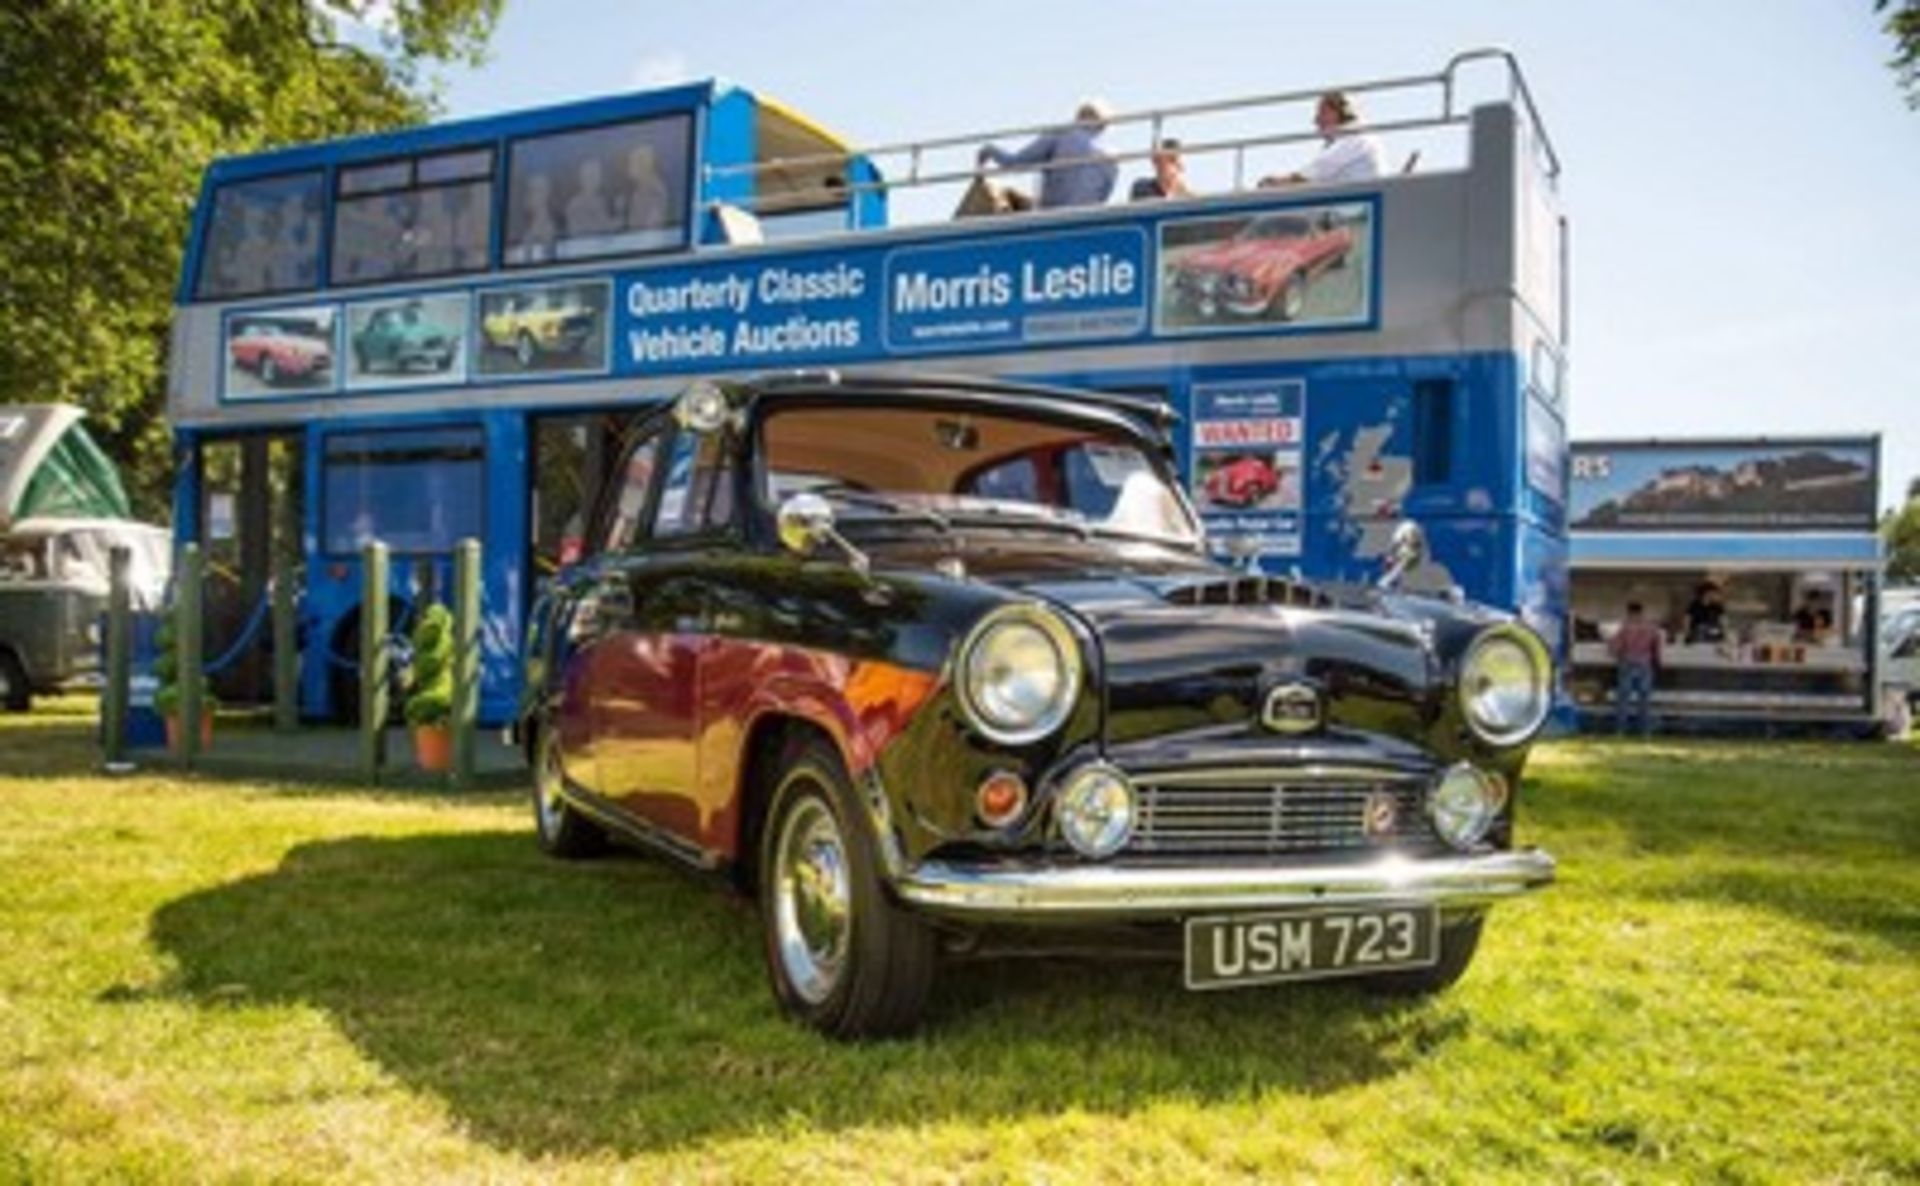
(430, 689)
(166, 696)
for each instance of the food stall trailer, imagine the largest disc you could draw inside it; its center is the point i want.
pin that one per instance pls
(1760, 563)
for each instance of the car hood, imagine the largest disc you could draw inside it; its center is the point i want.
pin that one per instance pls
(1186, 644)
(1239, 256)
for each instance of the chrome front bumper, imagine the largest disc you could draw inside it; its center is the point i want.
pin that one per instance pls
(1121, 893)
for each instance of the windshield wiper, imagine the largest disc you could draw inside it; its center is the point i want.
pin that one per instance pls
(856, 496)
(1028, 515)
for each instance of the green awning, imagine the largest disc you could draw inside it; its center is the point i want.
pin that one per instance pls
(50, 467)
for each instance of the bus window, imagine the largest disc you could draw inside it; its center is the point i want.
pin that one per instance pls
(1432, 431)
(264, 237)
(603, 191)
(421, 216)
(416, 490)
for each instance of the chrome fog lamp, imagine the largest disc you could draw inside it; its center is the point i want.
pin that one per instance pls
(1019, 674)
(1506, 685)
(1094, 808)
(1465, 804)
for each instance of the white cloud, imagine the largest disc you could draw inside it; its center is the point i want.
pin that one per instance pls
(664, 68)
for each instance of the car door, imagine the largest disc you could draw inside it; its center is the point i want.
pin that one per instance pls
(648, 694)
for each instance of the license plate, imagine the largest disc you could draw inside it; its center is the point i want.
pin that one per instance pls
(1242, 949)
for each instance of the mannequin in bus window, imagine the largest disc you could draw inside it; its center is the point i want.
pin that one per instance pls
(433, 234)
(646, 205)
(539, 230)
(289, 261)
(589, 213)
(247, 266)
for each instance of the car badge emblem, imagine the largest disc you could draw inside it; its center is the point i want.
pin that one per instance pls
(1379, 815)
(1291, 708)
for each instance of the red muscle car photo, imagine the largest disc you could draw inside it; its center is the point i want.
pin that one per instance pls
(1241, 482)
(1264, 270)
(277, 355)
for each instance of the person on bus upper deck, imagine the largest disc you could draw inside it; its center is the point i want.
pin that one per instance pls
(1347, 155)
(588, 211)
(1073, 170)
(1169, 178)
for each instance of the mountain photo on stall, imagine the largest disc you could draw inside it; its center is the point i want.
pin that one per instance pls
(1808, 486)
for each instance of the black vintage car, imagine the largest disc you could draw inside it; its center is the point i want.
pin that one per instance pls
(927, 665)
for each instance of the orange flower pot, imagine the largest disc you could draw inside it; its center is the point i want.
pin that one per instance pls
(206, 732)
(433, 748)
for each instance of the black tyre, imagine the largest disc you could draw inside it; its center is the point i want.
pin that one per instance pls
(524, 351)
(1459, 939)
(16, 695)
(360, 360)
(269, 369)
(562, 831)
(842, 957)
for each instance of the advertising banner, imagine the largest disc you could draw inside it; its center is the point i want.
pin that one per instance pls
(1756, 486)
(1299, 267)
(820, 308)
(283, 353)
(412, 341)
(1248, 464)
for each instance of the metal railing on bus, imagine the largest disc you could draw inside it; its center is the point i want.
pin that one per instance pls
(1452, 113)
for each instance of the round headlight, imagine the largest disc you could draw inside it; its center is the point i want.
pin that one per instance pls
(1506, 685)
(1095, 810)
(1465, 804)
(1019, 674)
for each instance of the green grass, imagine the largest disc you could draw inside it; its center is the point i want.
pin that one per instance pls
(215, 981)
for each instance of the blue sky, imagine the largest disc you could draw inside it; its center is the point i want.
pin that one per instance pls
(1742, 178)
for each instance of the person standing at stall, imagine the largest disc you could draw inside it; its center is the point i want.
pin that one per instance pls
(1635, 648)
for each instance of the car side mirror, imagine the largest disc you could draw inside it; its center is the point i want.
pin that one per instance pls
(805, 521)
(1405, 552)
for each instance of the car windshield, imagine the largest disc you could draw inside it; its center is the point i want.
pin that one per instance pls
(944, 466)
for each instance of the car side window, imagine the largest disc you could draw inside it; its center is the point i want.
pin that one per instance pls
(636, 482)
(698, 495)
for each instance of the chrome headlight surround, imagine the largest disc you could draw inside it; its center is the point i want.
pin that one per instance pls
(1016, 645)
(1506, 684)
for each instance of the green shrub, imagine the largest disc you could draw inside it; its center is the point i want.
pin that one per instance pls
(430, 685)
(166, 671)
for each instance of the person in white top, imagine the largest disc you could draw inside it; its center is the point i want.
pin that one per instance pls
(1348, 155)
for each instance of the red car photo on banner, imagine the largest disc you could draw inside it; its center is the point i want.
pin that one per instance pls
(1307, 266)
(1241, 482)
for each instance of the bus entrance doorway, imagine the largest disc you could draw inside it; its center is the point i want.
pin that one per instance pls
(251, 506)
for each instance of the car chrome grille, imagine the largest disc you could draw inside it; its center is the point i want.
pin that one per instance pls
(1260, 814)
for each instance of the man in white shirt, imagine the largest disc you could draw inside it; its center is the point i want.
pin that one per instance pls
(1348, 155)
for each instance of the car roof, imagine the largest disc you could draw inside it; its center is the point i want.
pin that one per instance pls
(1143, 415)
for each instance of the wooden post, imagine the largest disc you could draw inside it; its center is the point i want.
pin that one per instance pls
(466, 657)
(286, 655)
(113, 700)
(373, 659)
(187, 649)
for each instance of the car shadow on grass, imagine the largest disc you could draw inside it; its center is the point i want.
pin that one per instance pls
(621, 1005)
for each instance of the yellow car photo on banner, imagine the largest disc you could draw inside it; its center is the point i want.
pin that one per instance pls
(545, 329)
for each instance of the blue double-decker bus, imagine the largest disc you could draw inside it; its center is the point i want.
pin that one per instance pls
(445, 331)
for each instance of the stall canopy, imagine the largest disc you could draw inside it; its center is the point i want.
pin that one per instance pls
(51, 468)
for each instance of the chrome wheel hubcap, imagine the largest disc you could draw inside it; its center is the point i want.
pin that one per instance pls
(812, 901)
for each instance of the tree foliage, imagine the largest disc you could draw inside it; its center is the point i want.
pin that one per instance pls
(1900, 532)
(113, 109)
(1903, 24)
